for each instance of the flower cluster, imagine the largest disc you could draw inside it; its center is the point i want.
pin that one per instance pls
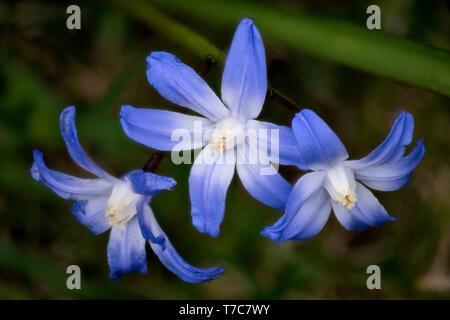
(122, 204)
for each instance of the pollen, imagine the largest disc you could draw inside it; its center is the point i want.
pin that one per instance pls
(121, 204)
(219, 144)
(341, 186)
(348, 201)
(227, 134)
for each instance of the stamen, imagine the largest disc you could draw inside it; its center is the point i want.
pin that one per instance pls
(121, 204)
(219, 145)
(228, 133)
(341, 185)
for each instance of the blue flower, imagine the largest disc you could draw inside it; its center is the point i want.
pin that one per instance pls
(121, 205)
(333, 182)
(223, 139)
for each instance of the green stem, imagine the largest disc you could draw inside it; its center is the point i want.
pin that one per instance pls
(191, 40)
(170, 28)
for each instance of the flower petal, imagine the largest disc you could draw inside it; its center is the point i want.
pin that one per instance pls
(309, 220)
(69, 133)
(209, 179)
(367, 212)
(261, 180)
(164, 130)
(244, 80)
(91, 213)
(392, 176)
(166, 252)
(148, 224)
(306, 200)
(393, 147)
(355, 221)
(66, 186)
(126, 250)
(283, 150)
(319, 146)
(149, 184)
(178, 83)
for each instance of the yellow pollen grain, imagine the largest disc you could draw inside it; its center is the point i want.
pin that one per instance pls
(219, 144)
(348, 201)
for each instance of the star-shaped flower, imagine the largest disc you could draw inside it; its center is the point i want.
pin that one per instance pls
(333, 182)
(120, 205)
(223, 134)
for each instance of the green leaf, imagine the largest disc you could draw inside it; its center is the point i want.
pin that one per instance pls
(355, 46)
(170, 28)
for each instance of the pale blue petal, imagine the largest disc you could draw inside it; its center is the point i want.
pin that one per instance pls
(178, 83)
(261, 179)
(148, 224)
(91, 213)
(355, 221)
(66, 186)
(393, 175)
(283, 150)
(319, 146)
(149, 184)
(164, 130)
(126, 250)
(309, 219)
(303, 201)
(367, 212)
(69, 134)
(244, 80)
(209, 179)
(167, 253)
(393, 147)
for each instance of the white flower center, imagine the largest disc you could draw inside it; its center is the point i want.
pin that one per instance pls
(121, 204)
(341, 185)
(228, 133)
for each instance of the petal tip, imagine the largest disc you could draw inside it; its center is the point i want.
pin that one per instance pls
(208, 275)
(407, 115)
(34, 170)
(212, 231)
(37, 154)
(306, 111)
(214, 274)
(173, 183)
(218, 271)
(159, 56)
(66, 117)
(69, 109)
(248, 21)
(199, 224)
(269, 233)
(203, 227)
(125, 111)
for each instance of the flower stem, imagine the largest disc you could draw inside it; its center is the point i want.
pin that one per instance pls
(153, 163)
(285, 101)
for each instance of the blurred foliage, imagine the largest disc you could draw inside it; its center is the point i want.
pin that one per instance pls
(356, 46)
(45, 67)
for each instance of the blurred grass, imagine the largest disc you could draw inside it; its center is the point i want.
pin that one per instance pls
(44, 67)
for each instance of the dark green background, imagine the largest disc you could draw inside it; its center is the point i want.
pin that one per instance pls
(44, 67)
